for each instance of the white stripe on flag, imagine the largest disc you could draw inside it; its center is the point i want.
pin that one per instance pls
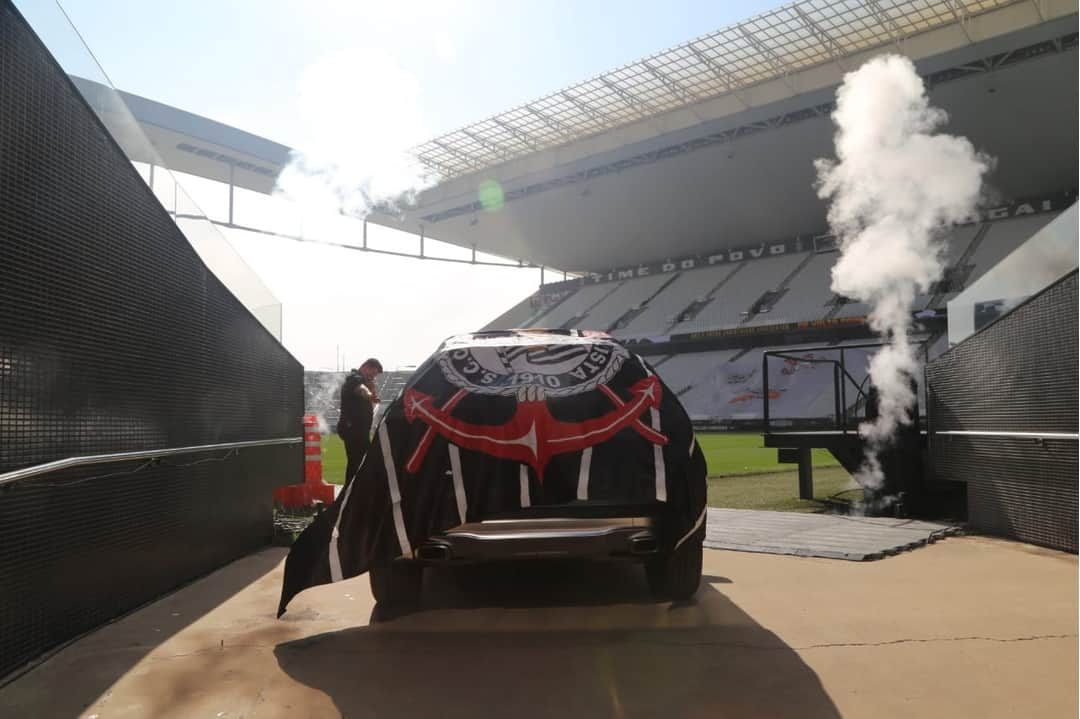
(335, 558)
(523, 480)
(583, 474)
(395, 492)
(658, 461)
(459, 485)
(658, 452)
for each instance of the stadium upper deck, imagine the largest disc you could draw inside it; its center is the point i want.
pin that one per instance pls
(696, 148)
(708, 145)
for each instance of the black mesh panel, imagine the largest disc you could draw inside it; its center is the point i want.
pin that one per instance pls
(1018, 375)
(115, 337)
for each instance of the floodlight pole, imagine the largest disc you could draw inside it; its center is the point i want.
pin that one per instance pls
(232, 189)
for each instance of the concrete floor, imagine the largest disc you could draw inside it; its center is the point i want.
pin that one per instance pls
(967, 627)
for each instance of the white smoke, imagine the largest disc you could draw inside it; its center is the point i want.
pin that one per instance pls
(323, 390)
(894, 189)
(361, 112)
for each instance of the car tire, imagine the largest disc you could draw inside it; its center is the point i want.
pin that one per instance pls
(676, 575)
(398, 583)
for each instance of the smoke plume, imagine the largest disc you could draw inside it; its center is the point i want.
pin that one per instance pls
(361, 112)
(894, 189)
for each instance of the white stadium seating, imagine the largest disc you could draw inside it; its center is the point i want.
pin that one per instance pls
(574, 305)
(688, 286)
(724, 385)
(629, 295)
(739, 292)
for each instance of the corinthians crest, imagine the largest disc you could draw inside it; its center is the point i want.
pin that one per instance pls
(532, 372)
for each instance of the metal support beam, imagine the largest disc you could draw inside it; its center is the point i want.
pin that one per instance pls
(772, 58)
(589, 111)
(640, 106)
(365, 234)
(38, 470)
(463, 156)
(446, 170)
(1039, 9)
(422, 243)
(518, 134)
(719, 72)
(344, 246)
(886, 21)
(232, 191)
(502, 152)
(823, 37)
(962, 18)
(676, 88)
(806, 474)
(564, 132)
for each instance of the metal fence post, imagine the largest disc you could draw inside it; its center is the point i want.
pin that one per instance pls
(765, 389)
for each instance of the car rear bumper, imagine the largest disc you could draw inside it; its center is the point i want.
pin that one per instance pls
(611, 537)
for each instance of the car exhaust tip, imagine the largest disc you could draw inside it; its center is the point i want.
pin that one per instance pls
(434, 552)
(644, 544)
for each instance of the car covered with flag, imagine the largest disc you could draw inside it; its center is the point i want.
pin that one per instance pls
(513, 445)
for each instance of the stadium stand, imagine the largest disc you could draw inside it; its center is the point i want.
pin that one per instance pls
(807, 294)
(788, 288)
(519, 315)
(741, 290)
(725, 385)
(1001, 238)
(799, 388)
(630, 295)
(681, 371)
(573, 307)
(663, 310)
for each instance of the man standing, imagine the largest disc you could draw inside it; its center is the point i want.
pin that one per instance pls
(358, 400)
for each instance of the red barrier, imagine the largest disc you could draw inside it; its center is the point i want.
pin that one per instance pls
(313, 489)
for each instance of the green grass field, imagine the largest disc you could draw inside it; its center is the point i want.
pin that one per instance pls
(743, 474)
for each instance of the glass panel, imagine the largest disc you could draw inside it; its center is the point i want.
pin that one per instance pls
(65, 44)
(1047, 256)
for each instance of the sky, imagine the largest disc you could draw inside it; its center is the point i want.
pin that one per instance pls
(352, 82)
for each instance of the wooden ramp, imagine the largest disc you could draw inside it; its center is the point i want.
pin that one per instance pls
(831, 536)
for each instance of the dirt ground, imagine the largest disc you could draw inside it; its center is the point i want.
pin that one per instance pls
(967, 627)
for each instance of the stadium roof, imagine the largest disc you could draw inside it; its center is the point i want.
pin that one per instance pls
(190, 143)
(772, 45)
(711, 144)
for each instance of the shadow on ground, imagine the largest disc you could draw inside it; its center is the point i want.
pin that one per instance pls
(576, 639)
(97, 660)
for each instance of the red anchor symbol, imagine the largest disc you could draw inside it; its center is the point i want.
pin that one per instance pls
(533, 436)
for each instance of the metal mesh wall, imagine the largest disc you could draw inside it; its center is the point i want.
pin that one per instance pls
(1019, 375)
(115, 337)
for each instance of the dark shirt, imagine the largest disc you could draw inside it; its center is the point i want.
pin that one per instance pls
(357, 411)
